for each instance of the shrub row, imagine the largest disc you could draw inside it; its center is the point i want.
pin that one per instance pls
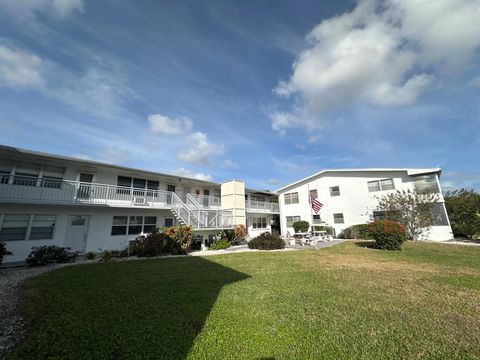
(360, 231)
(49, 254)
(266, 241)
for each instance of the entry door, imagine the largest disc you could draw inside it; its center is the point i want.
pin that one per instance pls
(206, 199)
(85, 188)
(77, 232)
(170, 188)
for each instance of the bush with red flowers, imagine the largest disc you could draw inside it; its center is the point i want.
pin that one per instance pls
(388, 235)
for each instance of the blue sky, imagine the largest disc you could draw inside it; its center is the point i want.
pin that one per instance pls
(263, 91)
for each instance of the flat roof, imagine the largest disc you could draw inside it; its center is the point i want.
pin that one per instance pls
(21, 151)
(410, 171)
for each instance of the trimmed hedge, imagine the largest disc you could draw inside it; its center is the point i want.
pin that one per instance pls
(388, 235)
(359, 231)
(301, 226)
(266, 241)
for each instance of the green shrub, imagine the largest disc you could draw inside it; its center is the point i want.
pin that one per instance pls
(171, 240)
(107, 255)
(3, 251)
(49, 254)
(301, 226)
(220, 244)
(327, 229)
(266, 241)
(180, 239)
(359, 231)
(91, 255)
(388, 235)
(154, 244)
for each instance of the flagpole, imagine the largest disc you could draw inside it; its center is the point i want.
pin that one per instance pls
(311, 212)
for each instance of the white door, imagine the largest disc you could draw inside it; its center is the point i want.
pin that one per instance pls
(77, 231)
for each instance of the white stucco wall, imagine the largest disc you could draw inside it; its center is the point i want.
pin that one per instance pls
(355, 201)
(99, 229)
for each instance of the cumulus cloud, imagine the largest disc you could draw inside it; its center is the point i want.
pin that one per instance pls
(191, 174)
(161, 124)
(383, 53)
(199, 149)
(20, 69)
(28, 10)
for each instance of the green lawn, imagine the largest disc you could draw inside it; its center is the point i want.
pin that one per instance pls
(347, 302)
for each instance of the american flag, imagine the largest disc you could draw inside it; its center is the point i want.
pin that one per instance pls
(316, 205)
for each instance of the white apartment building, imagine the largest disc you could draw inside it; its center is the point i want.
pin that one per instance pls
(350, 197)
(86, 205)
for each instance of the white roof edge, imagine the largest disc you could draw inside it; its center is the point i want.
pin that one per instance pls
(98, 163)
(410, 171)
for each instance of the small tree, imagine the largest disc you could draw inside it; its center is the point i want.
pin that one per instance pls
(240, 232)
(301, 226)
(410, 208)
(463, 208)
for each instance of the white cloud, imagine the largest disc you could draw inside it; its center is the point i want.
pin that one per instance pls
(383, 53)
(29, 9)
(273, 181)
(20, 69)
(199, 149)
(190, 174)
(100, 90)
(161, 124)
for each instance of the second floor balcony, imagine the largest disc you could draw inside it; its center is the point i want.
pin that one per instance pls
(56, 191)
(262, 206)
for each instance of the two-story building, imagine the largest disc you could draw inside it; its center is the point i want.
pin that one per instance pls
(350, 196)
(86, 205)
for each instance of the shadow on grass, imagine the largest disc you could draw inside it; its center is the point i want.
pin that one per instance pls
(138, 309)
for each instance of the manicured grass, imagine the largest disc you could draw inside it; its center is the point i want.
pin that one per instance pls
(347, 302)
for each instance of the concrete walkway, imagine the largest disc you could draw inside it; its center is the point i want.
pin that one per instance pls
(244, 248)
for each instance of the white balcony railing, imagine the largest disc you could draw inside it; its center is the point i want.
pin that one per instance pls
(55, 191)
(207, 201)
(262, 206)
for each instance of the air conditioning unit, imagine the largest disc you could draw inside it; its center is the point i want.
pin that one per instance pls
(139, 201)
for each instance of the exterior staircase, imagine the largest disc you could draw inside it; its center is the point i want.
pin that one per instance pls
(193, 214)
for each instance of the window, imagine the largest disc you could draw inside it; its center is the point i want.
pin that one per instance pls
(149, 223)
(439, 215)
(259, 223)
(291, 198)
(133, 225)
(42, 227)
(291, 220)
(14, 227)
(317, 219)
(373, 186)
(381, 185)
(338, 218)
(26, 173)
(313, 194)
(119, 225)
(387, 184)
(52, 177)
(426, 183)
(168, 222)
(23, 226)
(259, 198)
(6, 167)
(335, 191)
